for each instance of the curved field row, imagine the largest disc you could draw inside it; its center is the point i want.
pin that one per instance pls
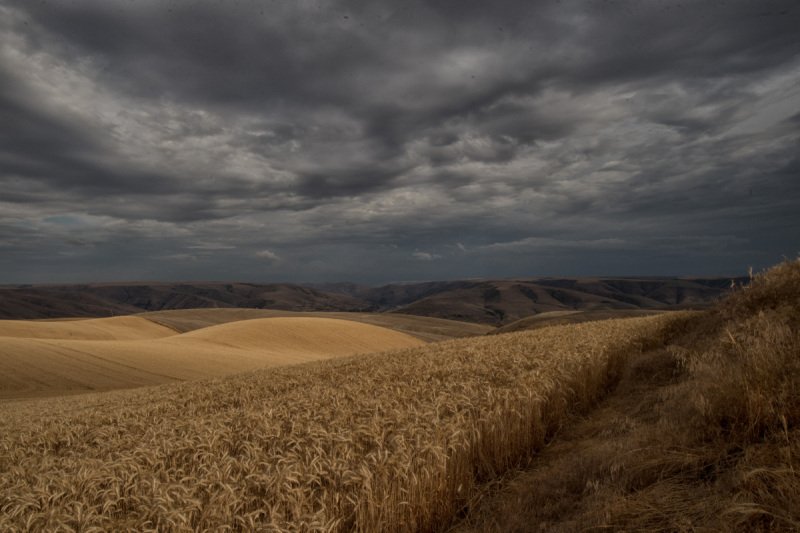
(42, 366)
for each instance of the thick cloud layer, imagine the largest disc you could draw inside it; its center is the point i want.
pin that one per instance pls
(376, 141)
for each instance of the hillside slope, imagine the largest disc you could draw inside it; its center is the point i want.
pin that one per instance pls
(51, 366)
(494, 302)
(562, 318)
(425, 328)
(701, 435)
(107, 299)
(505, 301)
(100, 329)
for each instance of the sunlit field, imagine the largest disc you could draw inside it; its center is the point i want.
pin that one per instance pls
(393, 441)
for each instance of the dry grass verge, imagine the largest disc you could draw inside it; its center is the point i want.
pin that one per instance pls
(703, 435)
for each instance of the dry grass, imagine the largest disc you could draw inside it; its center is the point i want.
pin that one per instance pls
(47, 366)
(745, 401)
(702, 435)
(389, 442)
(562, 318)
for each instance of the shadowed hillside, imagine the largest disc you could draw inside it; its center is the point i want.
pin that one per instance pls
(562, 318)
(503, 302)
(495, 302)
(94, 300)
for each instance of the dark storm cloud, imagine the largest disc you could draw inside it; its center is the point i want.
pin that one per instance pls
(380, 140)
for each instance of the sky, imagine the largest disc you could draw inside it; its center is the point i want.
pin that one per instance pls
(377, 141)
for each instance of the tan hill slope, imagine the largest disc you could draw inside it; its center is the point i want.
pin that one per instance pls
(105, 329)
(49, 366)
(425, 328)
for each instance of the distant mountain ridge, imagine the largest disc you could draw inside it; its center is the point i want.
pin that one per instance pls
(95, 300)
(496, 302)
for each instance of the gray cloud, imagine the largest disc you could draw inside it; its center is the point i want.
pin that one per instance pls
(377, 141)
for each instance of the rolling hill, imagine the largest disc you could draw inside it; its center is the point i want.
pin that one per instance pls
(120, 328)
(504, 301)
(425, 328)
(495, 302)
(562, 318)
(107, 299)
(91, 355)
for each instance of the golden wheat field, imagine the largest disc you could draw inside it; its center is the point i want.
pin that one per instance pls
(48, 358)
(386, 442)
